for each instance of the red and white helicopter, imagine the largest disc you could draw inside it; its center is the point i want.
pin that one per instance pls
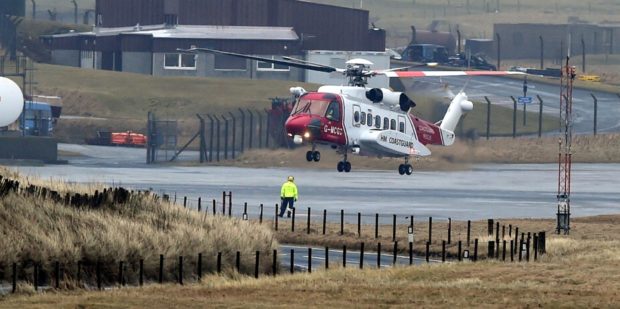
(366, 121)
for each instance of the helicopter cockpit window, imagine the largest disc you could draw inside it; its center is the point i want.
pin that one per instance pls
(386, 123)
(401, 127)
(333, 111)
(392, 124)
(369, 120)
(378, 122)
(363, 119)
(311, 106)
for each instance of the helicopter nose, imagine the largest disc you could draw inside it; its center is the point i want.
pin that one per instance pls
(303, 128)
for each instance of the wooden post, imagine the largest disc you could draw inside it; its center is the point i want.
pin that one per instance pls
(449, 230)
(468, 232)
(359, 224)
(308, 222)
(512, 252)
(443, 251)
(344, 256)
(214, 210)
(378, 255)
(376, 226)
(393, 227)
(341, 221)
(256, 264)
(324, 220)
(293, 221)
(362, 255)
(260, 215)
(395, 252)
(238, 262)
(504, 250)
(326, 257)
(430, 229)
(428, 247)
(200, 204)
(475, 249)
(292, 261)
(185, 202)
(459, 253)
(276, 218)
(274, 264)
(199, 266)
(410, 253)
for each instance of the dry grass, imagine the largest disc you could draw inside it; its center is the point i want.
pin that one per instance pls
(40, 231)
(577, 272)
(604, 148)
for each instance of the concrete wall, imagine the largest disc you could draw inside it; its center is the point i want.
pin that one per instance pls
(66, 57)
(29, 148)
(137, 62)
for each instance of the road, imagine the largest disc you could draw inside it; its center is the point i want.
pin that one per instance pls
(499, 90)
(486, 191)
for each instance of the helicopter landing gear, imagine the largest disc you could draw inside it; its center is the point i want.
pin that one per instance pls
(313, 155)
(405, 168)
(344, 165)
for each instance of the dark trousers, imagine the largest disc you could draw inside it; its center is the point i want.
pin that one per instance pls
(286, 202)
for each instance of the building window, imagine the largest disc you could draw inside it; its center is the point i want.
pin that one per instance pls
(180, 61)
(267, 66)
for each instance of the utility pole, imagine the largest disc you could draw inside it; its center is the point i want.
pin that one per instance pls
(565, 152)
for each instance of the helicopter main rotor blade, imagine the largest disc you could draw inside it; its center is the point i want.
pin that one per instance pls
(312, 67)
(417, 74)
(304, 61)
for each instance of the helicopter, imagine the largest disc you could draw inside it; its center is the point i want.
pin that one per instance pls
(355, 119)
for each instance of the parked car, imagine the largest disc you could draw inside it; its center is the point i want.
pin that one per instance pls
(474, 62)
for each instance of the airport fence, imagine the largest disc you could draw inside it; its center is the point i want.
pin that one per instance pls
(438, 246)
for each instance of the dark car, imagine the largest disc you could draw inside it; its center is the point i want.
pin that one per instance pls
(474, 62)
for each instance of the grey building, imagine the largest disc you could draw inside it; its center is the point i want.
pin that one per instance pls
(153, 50)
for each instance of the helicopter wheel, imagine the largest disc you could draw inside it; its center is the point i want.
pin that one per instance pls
(316, 156)
(408, 169)
(402, 169)
(340, 166)
(309, 156)
(347, 166)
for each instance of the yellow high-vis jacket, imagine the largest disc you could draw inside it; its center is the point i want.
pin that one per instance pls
(289, 189)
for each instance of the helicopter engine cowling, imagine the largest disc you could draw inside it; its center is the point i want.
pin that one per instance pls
(386, 96)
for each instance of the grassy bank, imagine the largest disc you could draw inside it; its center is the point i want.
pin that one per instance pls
(580, 270)
(38, 230)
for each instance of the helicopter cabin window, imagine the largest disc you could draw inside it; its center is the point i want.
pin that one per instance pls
(386, 123)
(317, 104)
(363, 119)
(356, 117)
(401, 127)
(378, 122)
(267, 66)
(369, 120)
(333, 111)
(180, 62)
(392, 124)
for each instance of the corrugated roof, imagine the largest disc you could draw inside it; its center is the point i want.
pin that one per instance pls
(196, 32)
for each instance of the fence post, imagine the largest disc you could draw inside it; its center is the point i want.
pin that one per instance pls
(410, 253)
(185, 202)
(514, 117)
(491, 249)
(260, 215)
(200, 204)
(379, 255)
(344, 256)
(238, 262)
(199, 266)
(535, 247)
(595, 111)
(141, 273)
(490, 227)
(229, 203)
(460, 256)
(326, 257)
(219, 262)
(488, 119)
(521, 249)
(504, 250)
(393, 227)
(443, 251)
(362, 255)
(503, 231)
(475, 249)
(512, 253)
(540, 115)
(274, 265)
(341, 221)
(428, 247)
(292, 261)
(245, 211)
(309, 259)
(223, 203)
(214, 206)
(308, 222)
(527, 248)
(256, 264)
(324, 219)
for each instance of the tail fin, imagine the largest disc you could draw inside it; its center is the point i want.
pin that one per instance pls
(458, 107)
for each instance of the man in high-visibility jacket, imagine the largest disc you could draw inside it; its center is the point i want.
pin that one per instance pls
(288, 194)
